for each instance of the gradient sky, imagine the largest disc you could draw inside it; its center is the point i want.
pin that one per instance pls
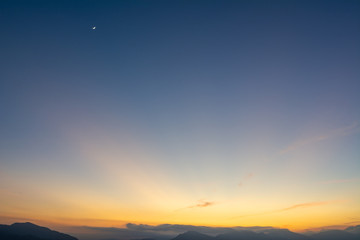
(218, 113)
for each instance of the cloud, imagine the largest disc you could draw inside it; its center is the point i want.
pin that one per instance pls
(173, 228)
(340, 181)
(296, 206)
(245, 179)
(177, 228)
(250, 175)
(344, 131)
(304, 205)
(160, 232)
(346, 226)
(202, 204)
(166, 231)
(353, 222)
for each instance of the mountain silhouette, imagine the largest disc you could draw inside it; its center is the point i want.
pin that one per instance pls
(284, 234)
(240, 235)
(192, 235)
(272, 234)
(335, 235)
(269, 234)
(30, 231)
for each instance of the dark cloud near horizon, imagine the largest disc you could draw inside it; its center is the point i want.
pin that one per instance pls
(178, 228)
(160, 232)
(174, 228)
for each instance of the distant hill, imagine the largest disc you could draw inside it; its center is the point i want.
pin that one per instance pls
(270, 234)
(335, 235)
(241, 235)
(29, 231)
(284, 234)
(192, 235)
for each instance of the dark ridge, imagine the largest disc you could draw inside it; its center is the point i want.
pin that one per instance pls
(284, 234)
(30, 231)
(335, 235)
(192, 235)
(240, 235)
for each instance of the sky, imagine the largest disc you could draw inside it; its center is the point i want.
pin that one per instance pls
(212, 113)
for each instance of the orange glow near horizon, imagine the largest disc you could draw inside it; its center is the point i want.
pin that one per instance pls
(126, 184)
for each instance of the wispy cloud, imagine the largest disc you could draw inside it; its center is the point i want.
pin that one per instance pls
(202, 204)
(343, 131)
(353, 222)
(245, 179)
(296, 206)
(334, 181)
(304, 205)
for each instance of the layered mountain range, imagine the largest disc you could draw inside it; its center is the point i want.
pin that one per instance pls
(272, 234)
(29, 231)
